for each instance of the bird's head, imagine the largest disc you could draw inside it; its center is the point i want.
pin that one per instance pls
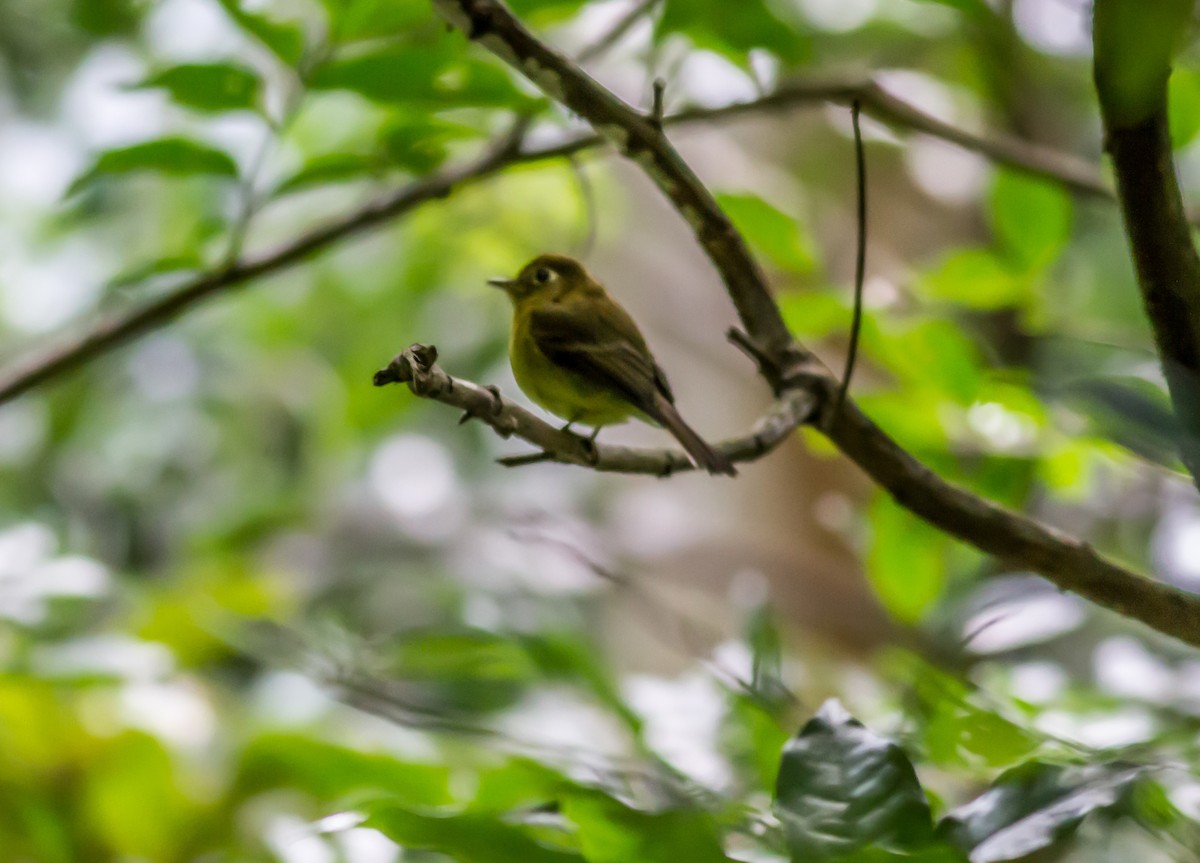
(546, 277)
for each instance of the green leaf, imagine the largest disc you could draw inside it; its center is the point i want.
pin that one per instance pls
(327, 170)
(188, 262)
(753, 737)
(975, 278)
(770, 230)
(468, 837)
(285, 40)
(1134, 43)
(520, 782)
(462, 671)
(421, 146)
(32, 826)
(959, 733)
(757, 24)
(814, 314)
(562, 656)
(329, 772)
(1183, 106)
(470, 654)
(1030, 217)
(545, 12)
(368, 19)
(906, 562)
(954, 731)
(611, 832)
(973, 8)
(432, 76)
(1034, 806)
(212, 87)
(175, 156)
(934, 354)
(843, 789)
(131, 800)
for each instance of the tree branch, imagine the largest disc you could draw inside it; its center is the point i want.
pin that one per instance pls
(1132, 67)
(1022, 542)
(113, 332)
(1066, 169)
(417, 366)
(1070, 564)
(1066, 562)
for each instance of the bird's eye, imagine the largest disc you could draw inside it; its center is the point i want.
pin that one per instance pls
(543, 275)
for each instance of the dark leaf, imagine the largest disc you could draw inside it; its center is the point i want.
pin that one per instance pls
(843, 789)
(1033, 806)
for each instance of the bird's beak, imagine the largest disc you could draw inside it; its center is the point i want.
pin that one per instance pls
(502, 284)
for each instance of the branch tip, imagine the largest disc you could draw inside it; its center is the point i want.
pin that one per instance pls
(523, 460)
(656, 110)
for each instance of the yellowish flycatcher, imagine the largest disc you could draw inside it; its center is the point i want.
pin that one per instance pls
(577, 353)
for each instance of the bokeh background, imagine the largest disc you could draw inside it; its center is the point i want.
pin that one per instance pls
(243, 592)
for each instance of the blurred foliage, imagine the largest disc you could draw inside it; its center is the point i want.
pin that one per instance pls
(252, 608)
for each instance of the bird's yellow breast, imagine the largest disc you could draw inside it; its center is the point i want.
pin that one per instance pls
(558, 390)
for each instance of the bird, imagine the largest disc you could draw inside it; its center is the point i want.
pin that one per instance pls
(577, 353)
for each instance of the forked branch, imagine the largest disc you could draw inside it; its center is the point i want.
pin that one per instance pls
(1020, 541)
(417, 366)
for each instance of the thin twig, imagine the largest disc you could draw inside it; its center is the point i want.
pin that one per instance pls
(860, 257)
(587, 197)
(1073, 173)
(656, 109)
(618, 31)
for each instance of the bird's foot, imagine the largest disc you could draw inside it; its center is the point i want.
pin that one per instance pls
(591, 451)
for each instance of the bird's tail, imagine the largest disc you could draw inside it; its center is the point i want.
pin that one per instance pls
(702, 454)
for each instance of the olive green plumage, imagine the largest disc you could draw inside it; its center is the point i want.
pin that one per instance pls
(577, 353)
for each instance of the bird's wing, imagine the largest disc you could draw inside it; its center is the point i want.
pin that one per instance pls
(595, 344)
